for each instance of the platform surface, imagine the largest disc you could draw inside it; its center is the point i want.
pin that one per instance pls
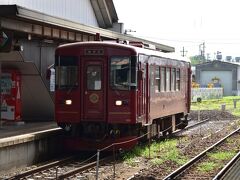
(15, 129)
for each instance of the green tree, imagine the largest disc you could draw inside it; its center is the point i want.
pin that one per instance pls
(195, 59)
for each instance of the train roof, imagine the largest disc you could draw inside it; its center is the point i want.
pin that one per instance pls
(138, 50)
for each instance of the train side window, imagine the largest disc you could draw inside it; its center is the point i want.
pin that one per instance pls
(133, 72)
(152, 83)
(94, 74)
(173, 79)
(151, 75)
(168, 81)
(162, 78)
(157, 80)
(178, 79)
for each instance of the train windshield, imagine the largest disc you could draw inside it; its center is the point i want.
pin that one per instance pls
(66, 72)
(123, 73)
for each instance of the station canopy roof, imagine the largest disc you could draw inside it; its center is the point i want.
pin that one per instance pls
(34, 23)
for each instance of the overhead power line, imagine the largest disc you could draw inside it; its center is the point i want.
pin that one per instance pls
(235, 41)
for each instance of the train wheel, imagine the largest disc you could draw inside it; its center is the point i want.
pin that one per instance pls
(164, 133)
(184, 122)
(169, 131)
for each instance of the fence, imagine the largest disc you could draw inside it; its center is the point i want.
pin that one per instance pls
(199, 94)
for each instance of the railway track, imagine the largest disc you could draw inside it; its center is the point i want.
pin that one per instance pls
(182, 172)
(42, 168)
(68, 167)
(60, 169)
(231, 170)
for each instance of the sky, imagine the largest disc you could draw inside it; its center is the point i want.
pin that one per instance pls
(185, 23)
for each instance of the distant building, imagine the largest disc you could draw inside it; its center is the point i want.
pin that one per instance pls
(221, 74)
(229, 58)
(219, 56)
(237, 59)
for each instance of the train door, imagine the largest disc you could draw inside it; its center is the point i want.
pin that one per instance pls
(189, 84)
(93, 89)
(147, 92)
(142, 92)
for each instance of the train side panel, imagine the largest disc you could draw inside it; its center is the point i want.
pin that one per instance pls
(172, 101)
(168, 88)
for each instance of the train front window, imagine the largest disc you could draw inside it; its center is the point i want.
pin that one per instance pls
(66, 72)
(94, 75)
(120, 75)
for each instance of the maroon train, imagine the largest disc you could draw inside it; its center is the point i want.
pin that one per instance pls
(111, 92)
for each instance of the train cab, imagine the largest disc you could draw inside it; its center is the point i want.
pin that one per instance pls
(95, 88)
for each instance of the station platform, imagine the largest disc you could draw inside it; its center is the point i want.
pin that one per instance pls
(25, 143)
(9, 129)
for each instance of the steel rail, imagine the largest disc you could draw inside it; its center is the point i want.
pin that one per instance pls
(186, 128)
(41, 168)
(227, 167)
(82, 168)
(180, 170)
(196, 124)
(191, 126)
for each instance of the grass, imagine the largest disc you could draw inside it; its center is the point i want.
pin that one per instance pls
(215, 104)
(160, 152)
(215, 160)
(157, 161)
(164, 151)
(131, 157)
(206, 166)
(220, 156)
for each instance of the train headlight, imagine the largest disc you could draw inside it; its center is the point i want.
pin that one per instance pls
(118, 103)
(68, 102)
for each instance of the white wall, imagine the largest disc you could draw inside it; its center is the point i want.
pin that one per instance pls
(238, 79)
(80, 11)
(225, 80)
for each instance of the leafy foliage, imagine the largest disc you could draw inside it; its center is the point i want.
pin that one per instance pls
(195, 60)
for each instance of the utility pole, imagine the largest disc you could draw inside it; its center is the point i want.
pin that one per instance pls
(208, 56)
(202, 51)
(183, 52)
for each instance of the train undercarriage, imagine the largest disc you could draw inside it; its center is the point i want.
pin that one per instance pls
(93, 136)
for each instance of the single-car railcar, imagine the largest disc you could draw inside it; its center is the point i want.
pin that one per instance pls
(111, 92)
